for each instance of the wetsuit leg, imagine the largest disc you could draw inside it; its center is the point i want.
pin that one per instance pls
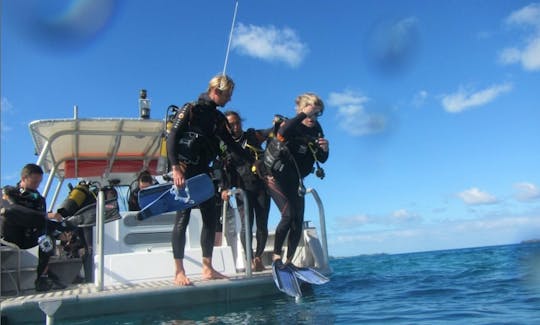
(281, 191)
(179, 233)
(295, 234)
(261, 206)
(87, 236)
(43, 262)
(208, 231)
(241, 209)
(26, 238)
(21, 236)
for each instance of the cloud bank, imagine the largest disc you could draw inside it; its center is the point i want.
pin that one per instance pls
(269, 44)
(528, 53)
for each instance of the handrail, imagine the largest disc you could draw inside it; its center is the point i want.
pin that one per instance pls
(100, 229)
(248, 232)
(322, 222)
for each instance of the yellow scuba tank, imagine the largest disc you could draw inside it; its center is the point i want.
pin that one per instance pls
(162, 166)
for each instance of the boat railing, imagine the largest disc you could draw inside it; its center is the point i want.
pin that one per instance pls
(100, 230)
(247, 233)
(322, 223)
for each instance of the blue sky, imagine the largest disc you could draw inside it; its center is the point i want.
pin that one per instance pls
(432, 107)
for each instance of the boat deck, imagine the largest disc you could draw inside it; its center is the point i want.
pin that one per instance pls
(85, 301)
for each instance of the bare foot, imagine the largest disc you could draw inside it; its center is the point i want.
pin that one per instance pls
(211, 274)
(181, 279)
(257, 264)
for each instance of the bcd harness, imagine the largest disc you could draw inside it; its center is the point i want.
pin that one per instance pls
(277, 153)
(192, 145)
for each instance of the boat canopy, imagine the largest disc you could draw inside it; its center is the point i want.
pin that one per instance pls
(96, 148)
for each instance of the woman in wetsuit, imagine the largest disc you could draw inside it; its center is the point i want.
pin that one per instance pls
(193, 142)
(288, 159)
(241, 175)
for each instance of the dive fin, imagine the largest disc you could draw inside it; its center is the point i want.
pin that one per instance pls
(285, 280)
(308, 275)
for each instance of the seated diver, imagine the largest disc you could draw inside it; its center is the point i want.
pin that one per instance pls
(24, 221)
(144, 180)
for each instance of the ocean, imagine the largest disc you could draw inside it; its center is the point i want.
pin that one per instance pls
(486, 285)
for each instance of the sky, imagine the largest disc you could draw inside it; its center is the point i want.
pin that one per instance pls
(432, 108)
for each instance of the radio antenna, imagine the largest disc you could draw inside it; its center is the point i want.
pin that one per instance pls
(230, 38)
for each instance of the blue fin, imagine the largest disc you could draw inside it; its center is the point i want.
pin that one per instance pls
(285, 280)
(308, 275)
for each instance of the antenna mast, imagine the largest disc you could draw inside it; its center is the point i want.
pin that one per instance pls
(230, 38)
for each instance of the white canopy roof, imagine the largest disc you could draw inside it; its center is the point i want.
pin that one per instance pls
(97, 147)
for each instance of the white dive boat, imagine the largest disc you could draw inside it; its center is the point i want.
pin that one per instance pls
(133, 263)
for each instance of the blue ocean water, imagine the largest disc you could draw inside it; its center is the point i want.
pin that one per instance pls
(486, 285)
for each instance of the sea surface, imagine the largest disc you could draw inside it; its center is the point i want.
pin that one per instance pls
(486, 285)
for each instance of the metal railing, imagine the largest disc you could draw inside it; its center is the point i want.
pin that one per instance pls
(247, 232)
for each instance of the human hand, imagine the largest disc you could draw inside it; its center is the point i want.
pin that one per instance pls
(323, 144)
(225, 195)
(178, 177)
(55, 216)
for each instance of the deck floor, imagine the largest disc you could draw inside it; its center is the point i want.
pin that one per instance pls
(86, 301)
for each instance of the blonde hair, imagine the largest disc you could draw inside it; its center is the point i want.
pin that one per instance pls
(221, 82)
(307, 99)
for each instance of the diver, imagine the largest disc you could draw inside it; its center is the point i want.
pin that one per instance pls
(241, 174)
(26, 223)
(193, 142)
(288, 158)
(144, 180)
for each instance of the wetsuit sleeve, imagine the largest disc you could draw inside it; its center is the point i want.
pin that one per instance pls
(286, 130)
(180, 125)
(322, 155)
(262, 135)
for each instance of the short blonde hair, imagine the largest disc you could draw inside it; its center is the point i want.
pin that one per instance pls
(307, 99)
(221, 82)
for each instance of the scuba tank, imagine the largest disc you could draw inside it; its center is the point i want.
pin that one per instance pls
(163, 162)
(79, 196)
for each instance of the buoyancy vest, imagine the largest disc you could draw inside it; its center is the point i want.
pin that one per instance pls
(199, 144)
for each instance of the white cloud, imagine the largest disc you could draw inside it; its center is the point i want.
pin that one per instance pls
(355, 221)
(474, 196)
(526, 192)
(528, 55)
(528, 15)
(465, 99)
(404, 216)
(353, 116)
(269, 43)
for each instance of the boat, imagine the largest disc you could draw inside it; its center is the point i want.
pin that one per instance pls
(133, 262)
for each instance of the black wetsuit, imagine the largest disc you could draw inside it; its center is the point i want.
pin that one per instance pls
(194, 141)
(283, 184)
(25, 229)
(241, 176)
